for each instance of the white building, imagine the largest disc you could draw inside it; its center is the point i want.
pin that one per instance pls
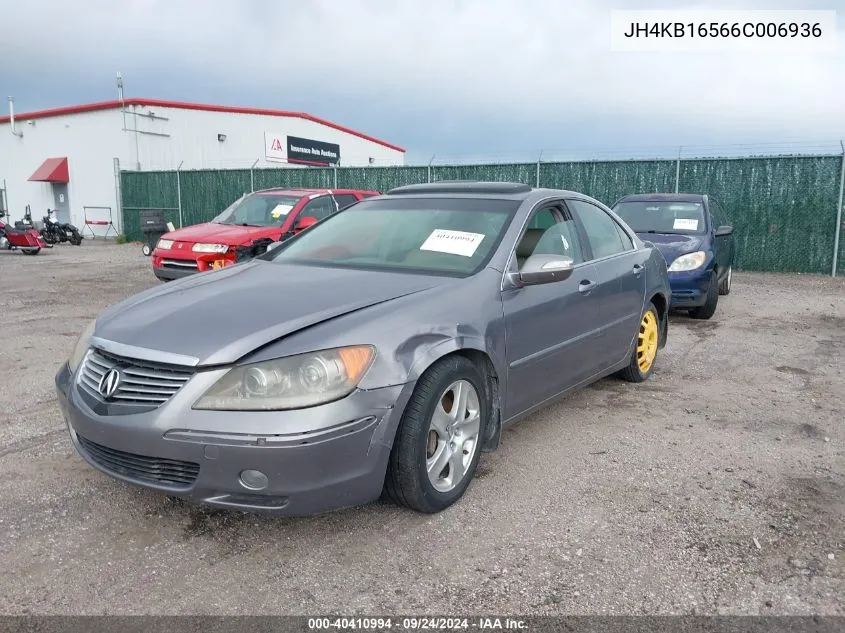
(68, 159)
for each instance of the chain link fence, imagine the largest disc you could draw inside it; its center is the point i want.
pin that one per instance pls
(784, 209)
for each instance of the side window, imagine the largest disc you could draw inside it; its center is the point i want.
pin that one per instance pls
(718, 214)
(318, 208)
(626, 239)
(549, 232)
(344, 200)
(602, 230)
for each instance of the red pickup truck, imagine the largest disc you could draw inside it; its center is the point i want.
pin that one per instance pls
(269, 214)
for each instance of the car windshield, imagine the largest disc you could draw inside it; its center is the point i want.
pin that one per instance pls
(258, 210)
(429, 235)
(662, 216)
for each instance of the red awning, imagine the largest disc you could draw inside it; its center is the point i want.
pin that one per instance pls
(52, 170)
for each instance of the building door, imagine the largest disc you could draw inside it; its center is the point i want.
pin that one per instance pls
(60, 201)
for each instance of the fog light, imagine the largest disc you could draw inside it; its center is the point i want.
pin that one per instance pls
(253, 479)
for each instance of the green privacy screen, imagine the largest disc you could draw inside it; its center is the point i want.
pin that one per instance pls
(783, 208)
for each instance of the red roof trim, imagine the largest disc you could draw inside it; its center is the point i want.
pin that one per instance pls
(180, 105)
(52, 170)
(313, 163)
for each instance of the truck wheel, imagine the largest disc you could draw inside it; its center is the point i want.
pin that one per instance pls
(641, 365)
(725, 284)
(709, 308)
(437, 445)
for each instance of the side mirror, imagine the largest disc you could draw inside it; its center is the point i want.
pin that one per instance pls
(544, 269)
(724, 230)
(304, 223)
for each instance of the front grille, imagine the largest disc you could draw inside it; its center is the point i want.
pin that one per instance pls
(143, 385)
(179, 263)
(172, 473)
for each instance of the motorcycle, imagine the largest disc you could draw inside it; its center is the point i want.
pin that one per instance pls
(55, 232)
(28, 240)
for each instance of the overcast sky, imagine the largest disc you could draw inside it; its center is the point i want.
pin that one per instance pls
(455, 78)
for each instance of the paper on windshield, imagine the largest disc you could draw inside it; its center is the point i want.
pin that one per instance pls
(453, 242)
(685, 224)
(280, 209)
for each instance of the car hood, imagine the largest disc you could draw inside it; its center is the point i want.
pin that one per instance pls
(230, 234)
(218, 317)
(671, 245)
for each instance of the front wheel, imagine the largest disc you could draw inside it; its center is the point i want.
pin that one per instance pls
(641, 365)
(145, 249)
(437, 445)
(709, 308)
(76, 239)
(30, 251)
(725, 284)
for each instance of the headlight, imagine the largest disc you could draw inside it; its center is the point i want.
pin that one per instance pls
(294, 382)
(690, 261)
(210, 248)
(81, 346)
(165, 244)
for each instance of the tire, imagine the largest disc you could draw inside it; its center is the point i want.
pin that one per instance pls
(641, 365)
(725, 284)
(420, 439)
(31, 251)
(145, 249)
(76, 239)
(709, 308)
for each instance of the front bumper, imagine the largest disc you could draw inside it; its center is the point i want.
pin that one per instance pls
(169, 274)
(689, 288)
(168, 266)
(200, 455)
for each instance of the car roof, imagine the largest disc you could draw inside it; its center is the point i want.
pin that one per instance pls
(479, 189)
(305, 191)
(662, 197)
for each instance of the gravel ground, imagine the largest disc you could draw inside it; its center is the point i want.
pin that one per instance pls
(717, 487)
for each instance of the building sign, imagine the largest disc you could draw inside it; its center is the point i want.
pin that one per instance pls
(308, 151)
(294, 149)
(275, 148)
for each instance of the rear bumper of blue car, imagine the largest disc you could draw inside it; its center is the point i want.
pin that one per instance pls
(689, 289)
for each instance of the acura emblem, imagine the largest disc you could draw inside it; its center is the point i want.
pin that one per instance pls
(109, 383)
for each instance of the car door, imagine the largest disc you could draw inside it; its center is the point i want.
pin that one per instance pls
(723, 245)
(620, 280)
(318, 208)
(547, 326)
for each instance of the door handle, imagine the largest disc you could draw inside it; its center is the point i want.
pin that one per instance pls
(638, 270)
(586, 286)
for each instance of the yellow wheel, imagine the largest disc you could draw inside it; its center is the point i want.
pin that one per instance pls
(642, 360)
(647, 341)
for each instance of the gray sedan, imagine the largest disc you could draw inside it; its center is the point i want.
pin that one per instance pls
(381, 350)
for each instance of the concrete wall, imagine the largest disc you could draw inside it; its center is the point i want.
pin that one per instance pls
(92, 140)
(193, 139)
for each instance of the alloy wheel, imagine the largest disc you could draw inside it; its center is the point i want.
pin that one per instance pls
(647, 341)
(452, 438)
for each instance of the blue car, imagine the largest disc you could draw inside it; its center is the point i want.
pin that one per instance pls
(694, 235)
